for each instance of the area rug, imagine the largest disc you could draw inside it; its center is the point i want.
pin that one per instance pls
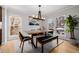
(29, 49)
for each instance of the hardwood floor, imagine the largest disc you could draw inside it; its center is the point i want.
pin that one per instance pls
(65, 47)
(8, 48)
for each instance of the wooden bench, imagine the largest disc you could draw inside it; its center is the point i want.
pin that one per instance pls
(45, 39)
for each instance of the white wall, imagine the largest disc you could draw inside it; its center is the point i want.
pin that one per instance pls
(53, 16)
(25, 22)
(65, 12)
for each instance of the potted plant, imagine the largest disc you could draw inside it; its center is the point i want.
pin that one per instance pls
(71, 22)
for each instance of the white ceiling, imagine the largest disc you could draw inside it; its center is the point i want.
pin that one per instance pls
(33, 9)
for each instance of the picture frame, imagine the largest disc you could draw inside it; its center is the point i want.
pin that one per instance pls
(60, 22)
(33, 23)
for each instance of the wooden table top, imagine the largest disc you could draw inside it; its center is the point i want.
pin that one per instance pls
(38, 31)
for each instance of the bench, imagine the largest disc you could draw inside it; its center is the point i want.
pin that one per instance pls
(45, 39)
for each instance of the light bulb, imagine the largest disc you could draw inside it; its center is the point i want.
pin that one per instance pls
(33, 16)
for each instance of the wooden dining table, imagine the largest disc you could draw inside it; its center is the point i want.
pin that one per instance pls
(37, 33)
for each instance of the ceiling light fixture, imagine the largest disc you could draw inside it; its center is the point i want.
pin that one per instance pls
(38, 17)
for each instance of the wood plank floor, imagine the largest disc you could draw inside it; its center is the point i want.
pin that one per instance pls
(65, 47)
(8, 48)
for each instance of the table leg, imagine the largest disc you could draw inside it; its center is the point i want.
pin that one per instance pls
(42, 48)
(33, 42)
(57, 40)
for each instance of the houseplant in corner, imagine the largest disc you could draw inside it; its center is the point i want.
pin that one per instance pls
(71, 22)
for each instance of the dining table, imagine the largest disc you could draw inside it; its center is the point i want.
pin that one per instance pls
(37, 33)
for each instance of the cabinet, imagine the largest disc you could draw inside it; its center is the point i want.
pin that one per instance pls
(0, 14)
(0, 25)
(0, 36)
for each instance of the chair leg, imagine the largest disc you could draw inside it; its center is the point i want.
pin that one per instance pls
(22, 47)
(33, 43)
(42, 48)
(20, 44)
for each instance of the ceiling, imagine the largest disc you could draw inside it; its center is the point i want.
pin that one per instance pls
(33, 9)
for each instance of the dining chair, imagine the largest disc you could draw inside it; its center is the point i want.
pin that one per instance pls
(50, 33)
(23, 39)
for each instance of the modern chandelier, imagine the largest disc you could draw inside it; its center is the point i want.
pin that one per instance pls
(38, 17)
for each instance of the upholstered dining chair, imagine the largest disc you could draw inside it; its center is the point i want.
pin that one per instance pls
(23, 39)
(50, 33)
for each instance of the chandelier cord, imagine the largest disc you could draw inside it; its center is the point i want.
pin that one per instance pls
(39, 12)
